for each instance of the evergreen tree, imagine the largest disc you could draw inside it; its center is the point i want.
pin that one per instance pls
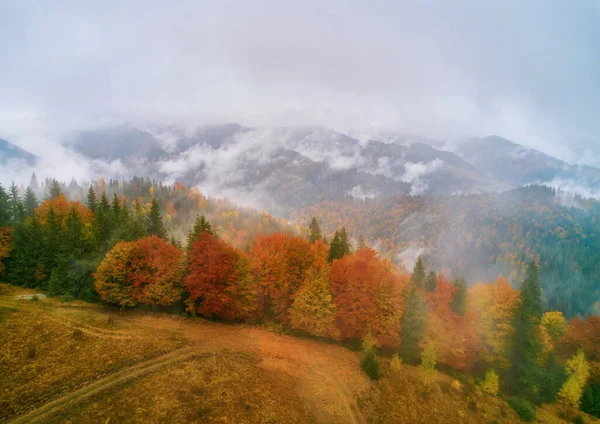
(459, 300)
(314, 231)
(335, 248)
(30, 202)
(200, 226)
(418, 275)
(175, 242)
(526, 373)
(104, 204)
(26, 260)
(34, 184)
(103, 226)
(361, 243)
(413, 326)
(91, 202)
(431, 281)
(53, 246)
(5, 210)
(115, 209)
(155, 224)
(54, 191)
(344, 243)
(16, 207)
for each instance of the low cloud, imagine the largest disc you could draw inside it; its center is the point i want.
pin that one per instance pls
(414, 172)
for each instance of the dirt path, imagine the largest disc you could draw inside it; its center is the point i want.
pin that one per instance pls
(325, 372)
(42, 413)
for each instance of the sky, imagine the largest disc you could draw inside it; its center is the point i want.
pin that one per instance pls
(528, 71)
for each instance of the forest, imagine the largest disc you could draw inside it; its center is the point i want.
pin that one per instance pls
(123, 244)
(481, 236)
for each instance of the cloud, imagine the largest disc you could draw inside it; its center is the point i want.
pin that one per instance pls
(439, 69)
(414, 172)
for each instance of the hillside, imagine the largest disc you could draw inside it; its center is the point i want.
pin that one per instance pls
(197, 371)
(10, 153)
(480, 236)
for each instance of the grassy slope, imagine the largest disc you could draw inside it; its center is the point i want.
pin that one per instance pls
(240, 375)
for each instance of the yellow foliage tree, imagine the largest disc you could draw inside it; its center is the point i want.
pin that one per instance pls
(578, 370)
(555, 323)
(491, 383)
(396, 362)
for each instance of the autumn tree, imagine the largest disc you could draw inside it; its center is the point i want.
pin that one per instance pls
(555, 324)
(5, 245)
(369, 295)
(314, 310)
(5, 216)
(220, 282)
(578, 371)
(156, 271)
(112, 280)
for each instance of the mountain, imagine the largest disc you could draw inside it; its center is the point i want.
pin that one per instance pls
(517, 165)
(285, 168)
(9, 153)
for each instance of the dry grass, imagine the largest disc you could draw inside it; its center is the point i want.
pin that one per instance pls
(49, 348)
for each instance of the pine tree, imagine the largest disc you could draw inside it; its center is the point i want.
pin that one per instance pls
(91, 202)
(54, 191)
(155, 224)
(431, 281)
(115, 210)
(34, 184)
(200, 226)
(418, 275)
(459, 300)
(314, 231)
(30, 202)
(104, 204)
(414, 324)
(27, 257)
(526, 372)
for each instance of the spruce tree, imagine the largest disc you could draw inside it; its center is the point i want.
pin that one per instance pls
(28, 254)
(314, 231)
(344, 243)
(459, 300)
(200, 226)
(5, 210)
(413, 326)
(103, 225)
(418, 275)
(54, 191)
(16, 207)
(30, 202)
(526, 373)
(115, 210)
(104, 204)
(155, 224)
(91, 202)
(431, 281)
(335, 248)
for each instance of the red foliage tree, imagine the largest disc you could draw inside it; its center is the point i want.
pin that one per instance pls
(112, 276)
(5, 245)
(369, 295)
(220, 282)
(62, 208)
(585, 335)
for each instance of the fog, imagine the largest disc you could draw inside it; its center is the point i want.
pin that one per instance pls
(527, 71)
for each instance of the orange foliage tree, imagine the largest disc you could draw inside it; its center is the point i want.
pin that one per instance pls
(369, 295)
(585, 335)
(62, 208)
(220, 282)
(282, 262)
(156, 271)
(112, 276)
(314, 310)
(5, 245)
(454, 336)
(494, 304)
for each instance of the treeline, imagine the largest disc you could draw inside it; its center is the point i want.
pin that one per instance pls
(303, 284)
(480, 236)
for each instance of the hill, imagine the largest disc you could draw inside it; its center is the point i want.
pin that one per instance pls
(199, 371)
(9, 153)
(480, 236)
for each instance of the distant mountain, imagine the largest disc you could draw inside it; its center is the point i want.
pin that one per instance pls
(286, 168)
(10, 153)
(517, 165)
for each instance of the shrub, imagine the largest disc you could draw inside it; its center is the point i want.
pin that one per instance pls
(370, 365)
(35, 298)
(578, 420)
(396, 362)
(524, 409)
(66, 298)
(491, 383)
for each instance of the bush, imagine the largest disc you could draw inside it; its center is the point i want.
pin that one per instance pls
(524, 409)
(66, 298)
(491, 383)
(578, 420)
(35, 298)
(396, 362)
(370, 365)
